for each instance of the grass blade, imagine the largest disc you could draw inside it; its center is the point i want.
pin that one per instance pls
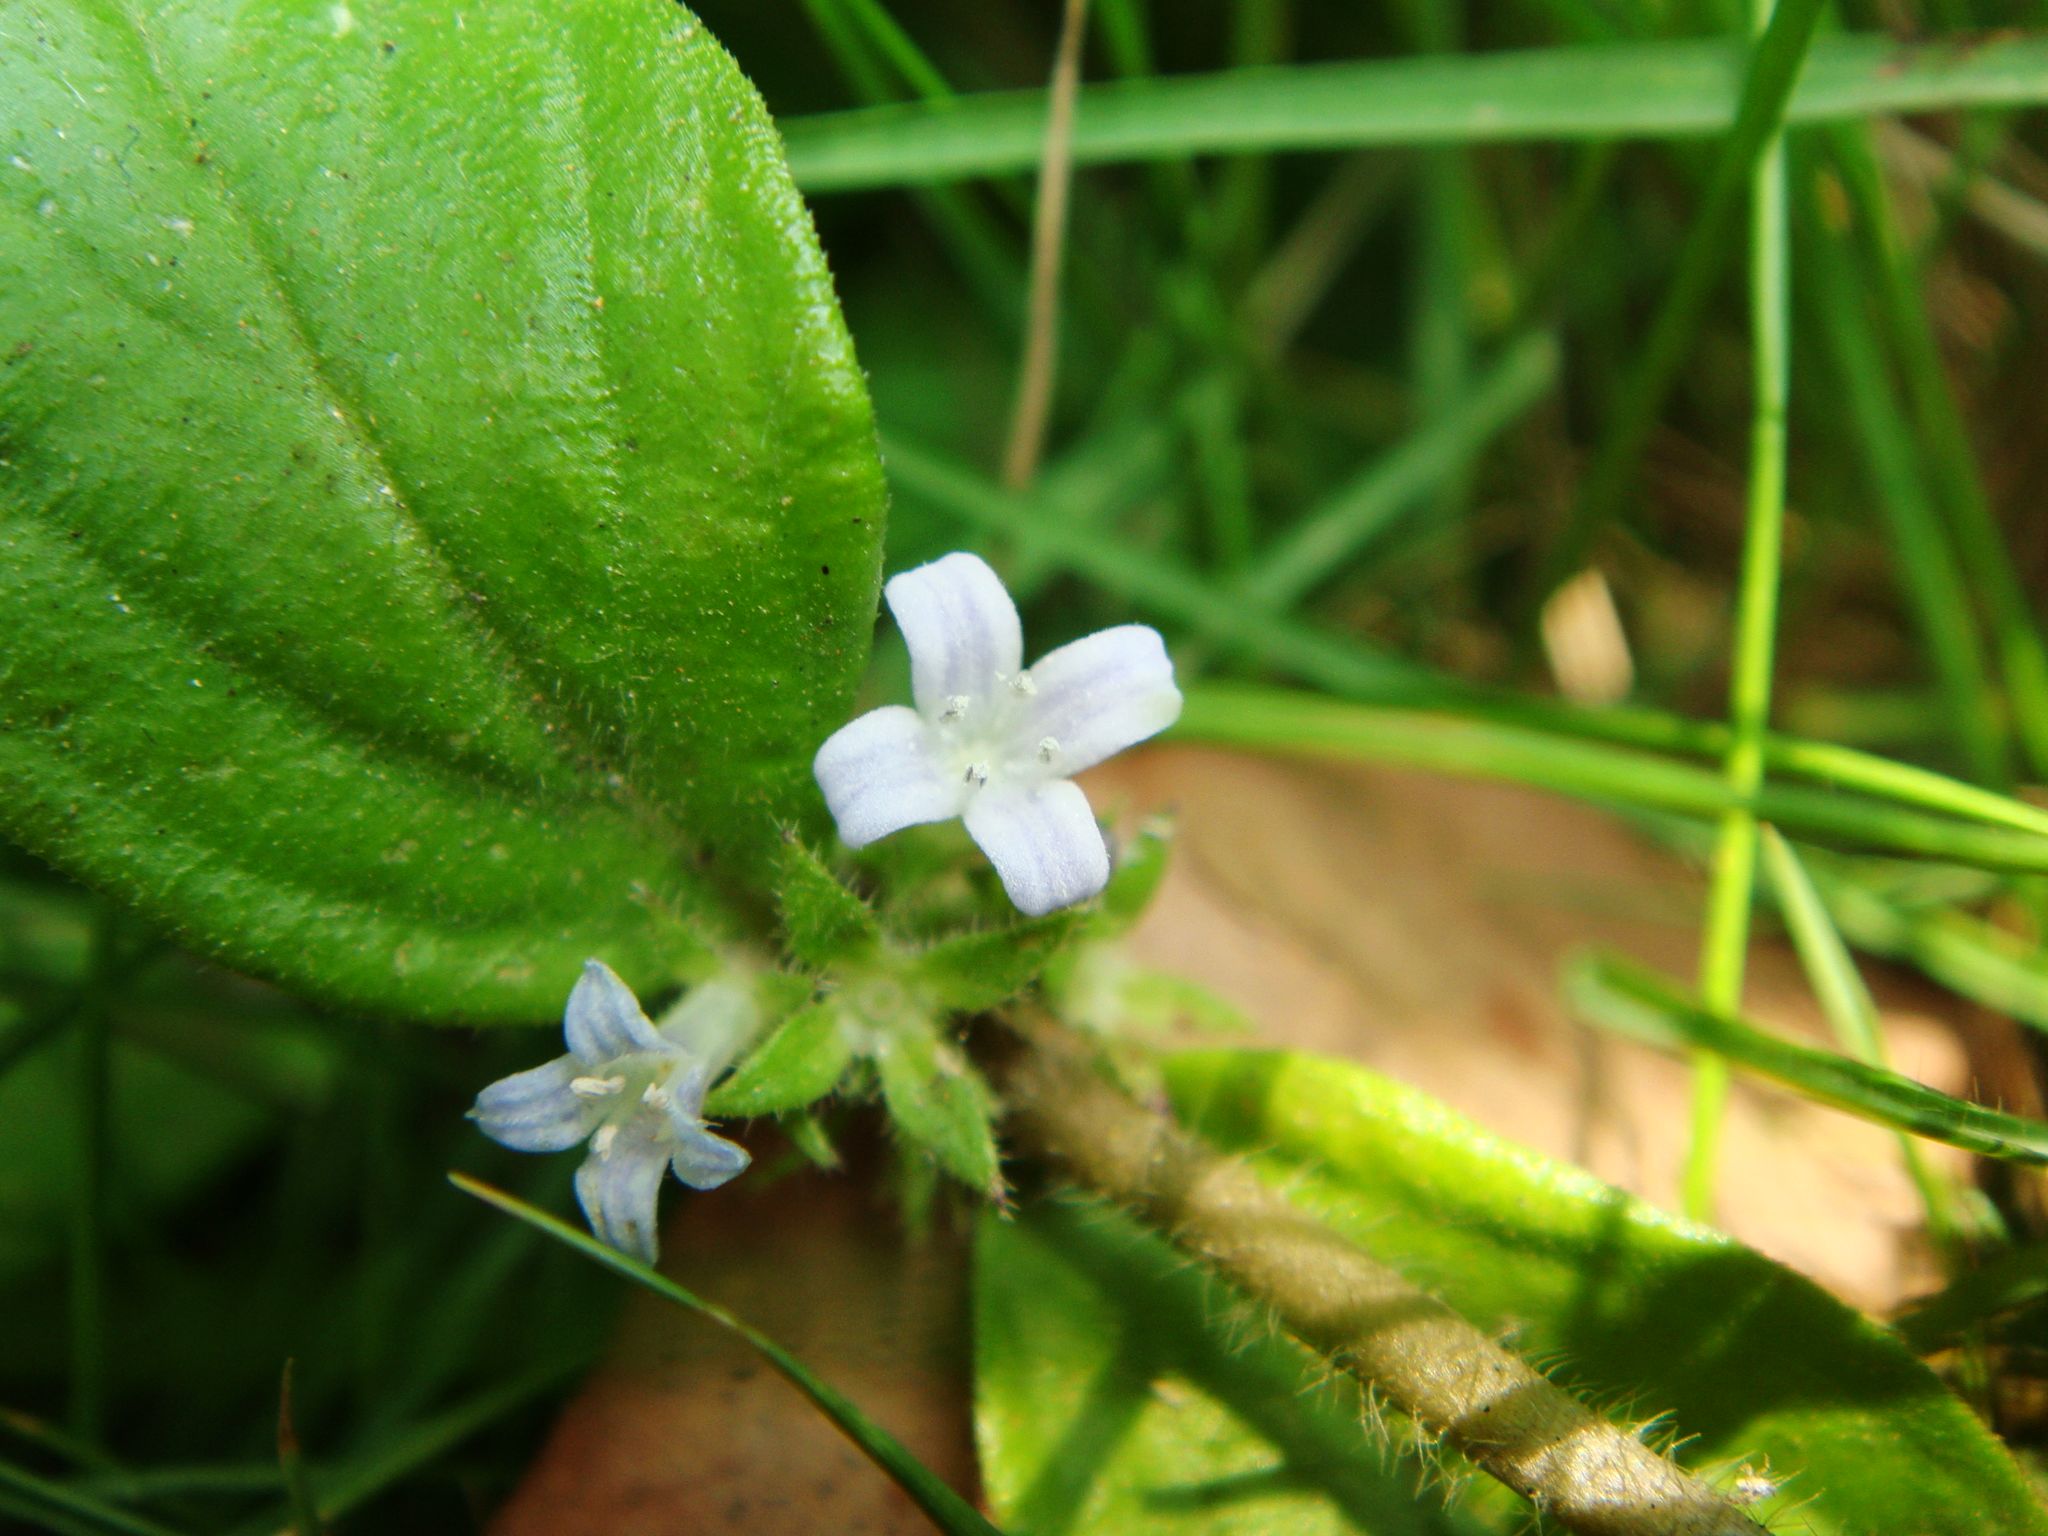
(947, 1509)
(1365, 508)
(1751, 150)
(1049, 533)
(1603, 91)
(1630, 1000)
(1838, 986)
(1452, 742)
(1787, 29)
(69, 1509)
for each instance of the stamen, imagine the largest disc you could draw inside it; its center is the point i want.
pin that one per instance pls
(655, 1097)
(956, 708)
(1048, 749)
(596, 1087)
(1022, 683)
(601, 1143)
(976, 774)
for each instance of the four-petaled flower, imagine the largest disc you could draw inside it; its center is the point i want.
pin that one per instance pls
(635, 1092)
(993, 742)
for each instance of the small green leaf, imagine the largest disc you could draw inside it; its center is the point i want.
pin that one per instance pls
(822, 921)
(1630, 1000)
(442, 511)
(801, 1062)
(1118, 1392)
(1749, 1361)
(970, 972)
(939, 1102)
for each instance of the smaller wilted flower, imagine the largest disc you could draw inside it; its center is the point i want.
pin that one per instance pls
(994, 742)
(635, 1092)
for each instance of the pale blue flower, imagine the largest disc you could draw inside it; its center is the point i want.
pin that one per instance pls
(994, 742)
(635, 1093)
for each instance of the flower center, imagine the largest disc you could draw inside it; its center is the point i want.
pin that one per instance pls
(987, 739)
(630, 1096)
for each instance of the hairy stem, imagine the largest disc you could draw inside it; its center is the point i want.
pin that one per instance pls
(1416, 1351)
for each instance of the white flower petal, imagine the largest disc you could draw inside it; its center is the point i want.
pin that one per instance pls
(534, 1110)
(620, 1195)
(1043, 841)
(961, 628)
(603, 1020)
(880, 774)
(704, 1160)
(1104, 692)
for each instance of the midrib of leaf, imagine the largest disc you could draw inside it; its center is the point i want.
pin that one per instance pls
(562, 729)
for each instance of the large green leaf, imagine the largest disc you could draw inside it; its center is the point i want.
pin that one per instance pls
(439, 513)
(1750, 1362)
(1116, 1392)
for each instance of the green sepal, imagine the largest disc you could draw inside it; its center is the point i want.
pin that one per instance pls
(973, 971)
(823, 923)
(798, 1064)
(938, 1102)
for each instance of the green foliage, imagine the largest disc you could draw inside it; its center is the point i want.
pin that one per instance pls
(1630, 1000)
(1664, 88)
(1115, 1393)
(1749, 1362)
(822, 921)
(442, 515)
(939, 1103)
(973, 971)
(800, 1062)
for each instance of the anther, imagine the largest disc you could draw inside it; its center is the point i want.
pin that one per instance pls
(1022, 683)
(601, 1143)
(1048, 749)
(956, 707)
(655, 1096)
(976, 774)
(596, 1087)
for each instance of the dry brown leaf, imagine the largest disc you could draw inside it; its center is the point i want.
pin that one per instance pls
(685, 1432)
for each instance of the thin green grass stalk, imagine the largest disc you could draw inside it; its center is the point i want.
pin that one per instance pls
(1440, 335)
(947, 1509)
(1725, 945)
(348, 1484)
(1243, 202)
(1305, 264)
(1622, 996)
(1214, 410)
(969, 236)
(1850, 1010)
(1447, 742)
(2023, 653)
(1768, 88)
(291, 1462)
(1972, 958)
(1928, 571)
(1361, 511)
(1371, 680)
(41, 1499)
(1665, 90)
(895, 46)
